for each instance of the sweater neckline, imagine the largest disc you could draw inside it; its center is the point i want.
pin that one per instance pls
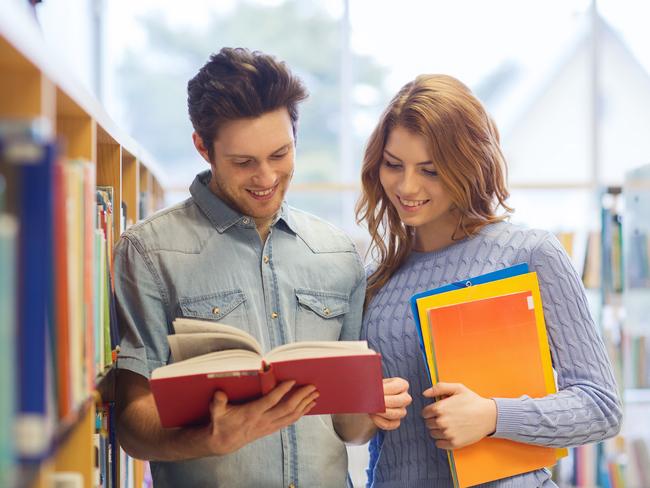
(420, 255)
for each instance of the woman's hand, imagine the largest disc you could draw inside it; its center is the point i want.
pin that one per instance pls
(459, 417)
(396, 398)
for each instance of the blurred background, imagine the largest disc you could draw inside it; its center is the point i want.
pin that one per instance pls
(567, 82)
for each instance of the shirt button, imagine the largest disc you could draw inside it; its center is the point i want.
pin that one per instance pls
(291, 485)
(326, 311)
(265, 259)
(216, 310)
(274, 315)
(246, 221)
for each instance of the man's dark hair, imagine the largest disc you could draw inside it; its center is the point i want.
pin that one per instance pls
(237, 83)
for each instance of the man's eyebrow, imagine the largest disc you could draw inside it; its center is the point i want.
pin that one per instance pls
(423, 163)
(287, 145)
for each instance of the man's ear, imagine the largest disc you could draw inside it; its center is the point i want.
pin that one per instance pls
(200, 147)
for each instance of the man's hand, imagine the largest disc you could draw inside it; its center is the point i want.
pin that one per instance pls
(397, 399)
(234, 426)
(460, 417)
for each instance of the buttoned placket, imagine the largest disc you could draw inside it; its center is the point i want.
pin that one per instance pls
(277, 328)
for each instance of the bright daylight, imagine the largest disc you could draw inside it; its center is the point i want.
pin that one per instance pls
(324, 243)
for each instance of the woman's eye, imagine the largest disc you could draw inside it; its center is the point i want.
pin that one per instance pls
(280, 155)
(430, 172)
(390, 165)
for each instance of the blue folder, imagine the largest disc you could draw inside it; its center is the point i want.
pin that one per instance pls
(517, 269)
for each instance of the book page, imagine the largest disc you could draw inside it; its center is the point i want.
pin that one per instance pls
(232, 362)
(196, 337)
(318, 349)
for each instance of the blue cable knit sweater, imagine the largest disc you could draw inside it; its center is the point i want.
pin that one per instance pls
(586, 408)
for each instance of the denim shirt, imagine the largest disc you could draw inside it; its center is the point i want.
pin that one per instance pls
(202, 259)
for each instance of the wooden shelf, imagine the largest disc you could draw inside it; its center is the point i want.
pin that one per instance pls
(35, 84)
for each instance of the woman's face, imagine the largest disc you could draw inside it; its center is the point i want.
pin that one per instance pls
(410, 179)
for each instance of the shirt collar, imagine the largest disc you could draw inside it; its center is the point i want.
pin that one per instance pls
(220, 214)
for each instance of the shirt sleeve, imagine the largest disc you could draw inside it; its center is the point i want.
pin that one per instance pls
(351, 329)
(587, 407)
(140, 308)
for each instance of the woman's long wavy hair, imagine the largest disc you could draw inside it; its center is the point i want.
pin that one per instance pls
(463, 143)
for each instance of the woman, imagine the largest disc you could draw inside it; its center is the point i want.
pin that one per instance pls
(434, 200)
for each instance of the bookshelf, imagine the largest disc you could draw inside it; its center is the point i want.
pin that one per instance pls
(617, 277)
(636, 324)
(81, 151)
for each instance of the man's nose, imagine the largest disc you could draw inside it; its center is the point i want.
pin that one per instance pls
(265, 175)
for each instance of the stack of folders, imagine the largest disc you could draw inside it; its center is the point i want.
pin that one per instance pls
(488, 333)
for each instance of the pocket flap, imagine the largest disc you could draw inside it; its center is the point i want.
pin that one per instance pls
(326, 304)
(213, 306)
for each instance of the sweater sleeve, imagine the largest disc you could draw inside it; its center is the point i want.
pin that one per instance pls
(587, 407)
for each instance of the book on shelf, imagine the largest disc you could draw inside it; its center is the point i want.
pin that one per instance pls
(592, 266)
(106, 221)
(8, 392)
(612, 251)
(639, 462)
(638, 260)
(491, 337)
(27, 161)
(209, 356)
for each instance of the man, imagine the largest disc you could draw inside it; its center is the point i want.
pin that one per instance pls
(235, 252)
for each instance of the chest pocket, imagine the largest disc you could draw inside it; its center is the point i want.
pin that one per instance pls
(319, 315)
(227, 306)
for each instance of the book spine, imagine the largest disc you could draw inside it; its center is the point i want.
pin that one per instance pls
(8, 235)
(267, 378)
(61, 298)
(32, 436)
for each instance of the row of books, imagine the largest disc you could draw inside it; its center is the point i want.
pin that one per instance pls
(598, 257)
(57, 324)
(612, 464)
(113, 467)
(637, 364)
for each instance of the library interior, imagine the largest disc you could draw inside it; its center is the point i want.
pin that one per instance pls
(94, 138)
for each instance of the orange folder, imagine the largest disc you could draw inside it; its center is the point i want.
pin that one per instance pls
(491, 346)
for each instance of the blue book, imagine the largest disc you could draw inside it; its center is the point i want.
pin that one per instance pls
(30, 160)
(517, 269)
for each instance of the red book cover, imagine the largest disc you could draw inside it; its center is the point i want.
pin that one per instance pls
(347, 384)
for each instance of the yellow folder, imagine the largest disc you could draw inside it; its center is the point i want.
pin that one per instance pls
(508, 286)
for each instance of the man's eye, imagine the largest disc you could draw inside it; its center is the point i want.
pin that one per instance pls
(242, 162)
(280, 155)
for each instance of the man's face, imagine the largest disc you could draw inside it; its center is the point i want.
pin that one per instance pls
(253, 163)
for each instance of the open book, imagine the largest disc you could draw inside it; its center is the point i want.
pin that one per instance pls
(208, 356)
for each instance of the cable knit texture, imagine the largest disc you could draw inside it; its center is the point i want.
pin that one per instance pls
(586, 408)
